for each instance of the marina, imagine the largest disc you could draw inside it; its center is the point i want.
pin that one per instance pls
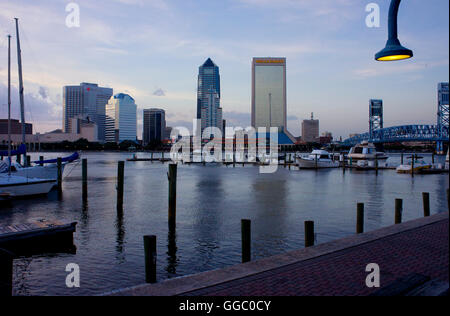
(211, 201)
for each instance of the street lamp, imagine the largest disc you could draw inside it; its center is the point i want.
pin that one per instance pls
(393, 50)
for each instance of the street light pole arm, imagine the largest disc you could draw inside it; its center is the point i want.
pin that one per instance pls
(393, 18)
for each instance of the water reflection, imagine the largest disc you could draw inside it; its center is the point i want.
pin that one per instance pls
(172, 260)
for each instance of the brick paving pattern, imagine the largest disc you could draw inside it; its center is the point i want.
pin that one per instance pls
(423, 250)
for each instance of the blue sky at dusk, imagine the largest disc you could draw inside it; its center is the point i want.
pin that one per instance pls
(152, 49)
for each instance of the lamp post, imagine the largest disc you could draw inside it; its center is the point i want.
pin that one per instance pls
(393, 50)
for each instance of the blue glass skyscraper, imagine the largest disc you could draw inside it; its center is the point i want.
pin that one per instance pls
(208, 81)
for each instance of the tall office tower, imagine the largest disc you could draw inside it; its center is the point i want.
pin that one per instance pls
(442, 115)
(269, 93)
(120, 119)
(211, 115)
(310, 130)
(154, 125)
(375, 116)
(89, 101)
(208, 95)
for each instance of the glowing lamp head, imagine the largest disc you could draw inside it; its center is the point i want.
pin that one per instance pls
(394, 52)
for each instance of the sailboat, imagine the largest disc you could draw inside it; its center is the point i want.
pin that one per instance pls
(13, 186)
(47, 169)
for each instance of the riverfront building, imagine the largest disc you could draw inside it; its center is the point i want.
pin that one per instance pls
(154, 127)
(208, 96)
(269, 97)
(310, 130)
(89, 101)
(121, 119)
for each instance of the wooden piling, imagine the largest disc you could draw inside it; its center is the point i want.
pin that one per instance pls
(28, 161)
(309, 234)
(59, 165)
(398, 211)
(6, 273)
(426, 204)
(19, 159)
(84, 173)
(120, 179)
(402, 158)
(412, 165)
(150, 258)
(246, 239)
(41, 158)
(172, 175)
(315, 162)
(360, 218)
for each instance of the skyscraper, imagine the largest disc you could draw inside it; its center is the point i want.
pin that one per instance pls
(89, 101)
(310, 130)
(154, 126)
(120, 119)
(269, 93)
(208, 95)
(269, 97)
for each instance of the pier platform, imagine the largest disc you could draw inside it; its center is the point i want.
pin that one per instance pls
(37, 237)
(415, 251)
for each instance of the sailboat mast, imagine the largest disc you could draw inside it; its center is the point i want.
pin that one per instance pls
(9, 104)
(22, 103)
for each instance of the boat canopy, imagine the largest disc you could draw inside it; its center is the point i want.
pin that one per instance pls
(71, 158)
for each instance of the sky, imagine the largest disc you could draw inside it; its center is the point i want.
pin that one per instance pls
(151, 49)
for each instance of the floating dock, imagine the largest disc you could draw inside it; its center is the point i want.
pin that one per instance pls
(36, 237)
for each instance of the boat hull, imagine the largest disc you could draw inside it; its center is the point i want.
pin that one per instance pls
(311, 164)
(17, 187)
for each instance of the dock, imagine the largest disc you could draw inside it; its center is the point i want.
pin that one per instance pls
(413, 258)
(37, 237)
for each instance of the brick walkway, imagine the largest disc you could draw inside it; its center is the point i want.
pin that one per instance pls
(423, 250)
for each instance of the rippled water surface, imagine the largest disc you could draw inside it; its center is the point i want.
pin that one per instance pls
(211, 202)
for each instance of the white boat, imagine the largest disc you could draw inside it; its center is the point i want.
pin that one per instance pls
(49, 171)
(319, 159)
(12, 186)
(366, 151)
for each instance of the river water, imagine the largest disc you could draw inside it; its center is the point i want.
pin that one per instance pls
(212, 200)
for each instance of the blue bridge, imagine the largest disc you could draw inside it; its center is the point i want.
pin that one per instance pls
(406, 133)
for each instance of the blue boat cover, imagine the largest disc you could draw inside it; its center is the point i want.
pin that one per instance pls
(20, 151)
(71, 158)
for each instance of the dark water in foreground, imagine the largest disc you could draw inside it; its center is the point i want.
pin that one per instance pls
(211, 202)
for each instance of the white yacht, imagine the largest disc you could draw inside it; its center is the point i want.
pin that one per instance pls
(317, 159)
(366, 151)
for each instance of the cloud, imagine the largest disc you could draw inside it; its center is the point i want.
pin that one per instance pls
(44, 113)
(159, 92)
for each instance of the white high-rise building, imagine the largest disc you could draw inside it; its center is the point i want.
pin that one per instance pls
(121, 119)
(88, 101)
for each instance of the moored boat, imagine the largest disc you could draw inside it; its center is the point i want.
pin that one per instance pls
(318, 159)
(366, 151)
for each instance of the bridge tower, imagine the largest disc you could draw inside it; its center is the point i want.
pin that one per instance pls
(442, 115)
(375, 116)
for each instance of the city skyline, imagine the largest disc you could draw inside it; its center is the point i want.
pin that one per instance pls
(156, 62)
